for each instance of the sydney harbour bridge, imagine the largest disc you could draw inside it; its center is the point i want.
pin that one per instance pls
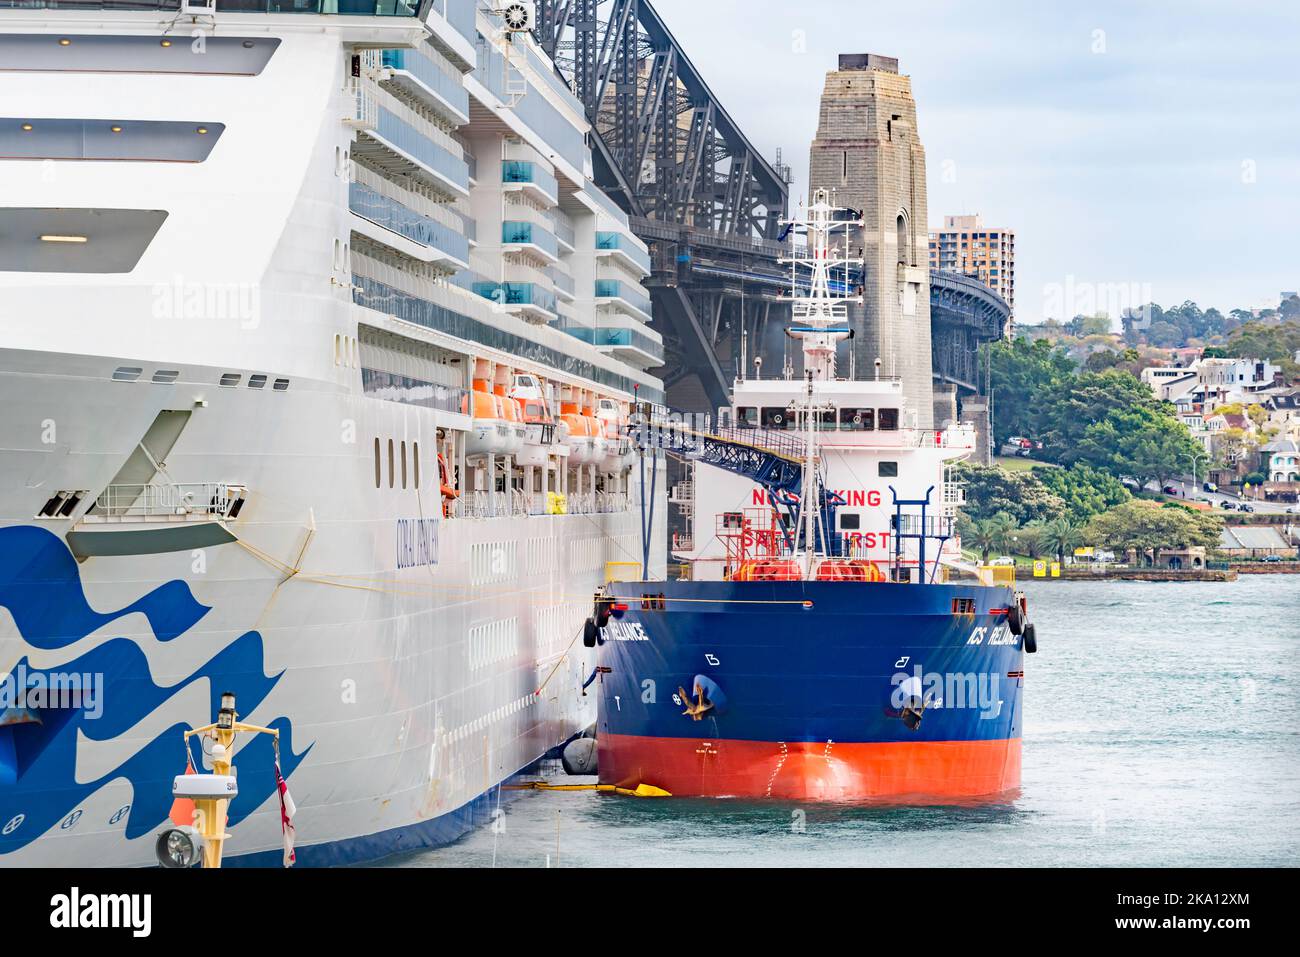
(709, 206)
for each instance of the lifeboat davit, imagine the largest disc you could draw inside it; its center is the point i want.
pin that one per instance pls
(490, 432)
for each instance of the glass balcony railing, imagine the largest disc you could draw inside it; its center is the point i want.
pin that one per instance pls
(563, 281)
(449, 88)
(564, 229)
(517, 294)
(433, 155)
(460, 14)
(621, 243)
(617, 289)
(387, 212)
(513, 233)
(523, 171)
(353, 8)
(617, 337)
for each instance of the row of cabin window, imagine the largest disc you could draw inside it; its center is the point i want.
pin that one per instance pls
(396, 459)
(849, 420)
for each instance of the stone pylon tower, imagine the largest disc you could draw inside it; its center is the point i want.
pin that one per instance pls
(869, 156)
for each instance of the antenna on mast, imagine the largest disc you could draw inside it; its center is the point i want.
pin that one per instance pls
(820, 317)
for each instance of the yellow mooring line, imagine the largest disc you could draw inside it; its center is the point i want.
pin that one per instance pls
(640, 791)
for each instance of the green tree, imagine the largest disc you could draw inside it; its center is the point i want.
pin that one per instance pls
(991, 489)
(1147, 528)
(1060, 535)
(1085, 490)
(981, 535)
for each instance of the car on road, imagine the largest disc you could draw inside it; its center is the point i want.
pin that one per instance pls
(1170, 489)
(1246, 507)
(1227, 504)
(1003, 560)
(1293, 510)
(1209, 487)
(1272, 558)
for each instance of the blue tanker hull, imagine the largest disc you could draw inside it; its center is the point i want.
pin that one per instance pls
(821, 690)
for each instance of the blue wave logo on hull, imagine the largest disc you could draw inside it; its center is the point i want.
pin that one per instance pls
(41, 588)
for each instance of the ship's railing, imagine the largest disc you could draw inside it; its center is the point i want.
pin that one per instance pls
(201, 501)
(518, 503)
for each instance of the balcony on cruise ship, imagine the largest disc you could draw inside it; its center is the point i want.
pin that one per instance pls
(394, 139)
(529, 300)
(530, 178)
(386, 219)
(519, 237)
(418, 74)
(616, 292)
(618, 246)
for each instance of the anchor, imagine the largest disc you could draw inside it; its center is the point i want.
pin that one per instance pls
(697, 708)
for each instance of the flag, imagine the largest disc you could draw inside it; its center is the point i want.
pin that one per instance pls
(286, 816)
(183, 808)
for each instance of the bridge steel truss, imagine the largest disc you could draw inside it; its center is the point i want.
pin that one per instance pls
(695, 189)
(964, 313)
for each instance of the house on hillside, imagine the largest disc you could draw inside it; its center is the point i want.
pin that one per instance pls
(1280, 461)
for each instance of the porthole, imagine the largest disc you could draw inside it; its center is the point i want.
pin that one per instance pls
(256, 381)
(230, 379)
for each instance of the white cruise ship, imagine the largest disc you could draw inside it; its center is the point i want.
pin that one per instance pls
(317, 342)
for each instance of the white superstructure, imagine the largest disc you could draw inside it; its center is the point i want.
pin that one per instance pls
(317, 344)
(882, 486)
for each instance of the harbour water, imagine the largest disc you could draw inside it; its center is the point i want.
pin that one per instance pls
(1162, 729)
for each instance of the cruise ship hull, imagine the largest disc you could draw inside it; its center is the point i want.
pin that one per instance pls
(801, 690)
(407, 679)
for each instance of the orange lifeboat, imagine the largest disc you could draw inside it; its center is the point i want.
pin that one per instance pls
(490, 432)
(595, 429)
(515, 427)
(580, 440)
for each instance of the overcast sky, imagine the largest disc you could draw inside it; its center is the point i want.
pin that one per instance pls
(1143, 146)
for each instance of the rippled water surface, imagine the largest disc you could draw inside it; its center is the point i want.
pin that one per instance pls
(1162, 727)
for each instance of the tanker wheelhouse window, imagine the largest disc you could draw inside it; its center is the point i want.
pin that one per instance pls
(888, 469)
(858, 420)
(746, 417)
(889, 420)
(779, 418)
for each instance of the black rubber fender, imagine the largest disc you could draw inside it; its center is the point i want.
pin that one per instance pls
(1016, 618)
(1030, 639)
(590, 633)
